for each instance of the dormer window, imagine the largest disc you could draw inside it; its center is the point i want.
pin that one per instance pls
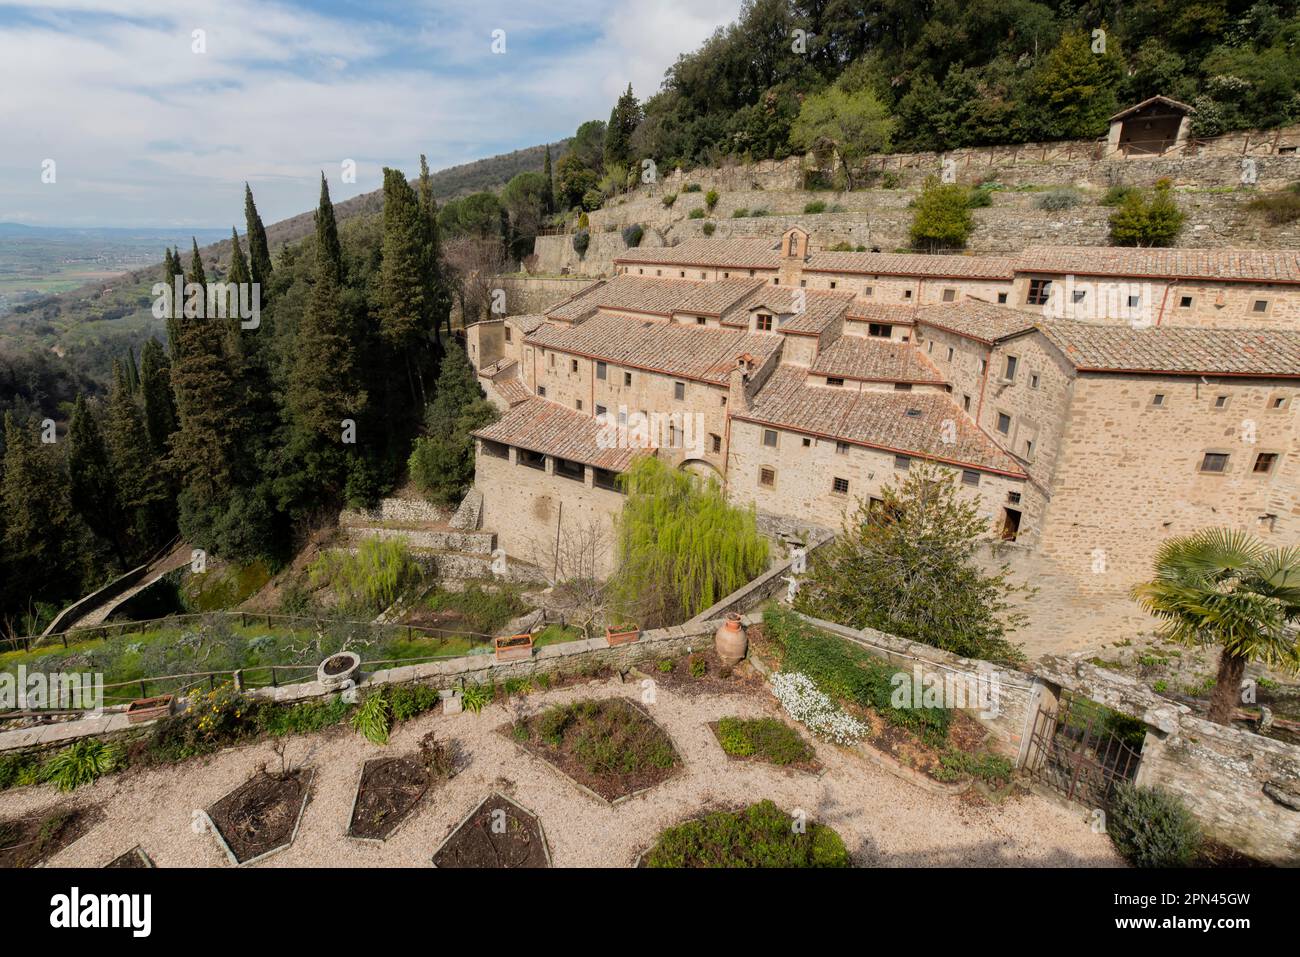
(763, 322)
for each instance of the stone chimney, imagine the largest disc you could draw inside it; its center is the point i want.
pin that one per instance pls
(738, 387)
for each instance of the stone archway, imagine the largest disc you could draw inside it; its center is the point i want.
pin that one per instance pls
(701, 469)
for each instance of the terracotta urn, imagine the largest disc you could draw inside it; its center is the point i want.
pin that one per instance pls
(729, 641)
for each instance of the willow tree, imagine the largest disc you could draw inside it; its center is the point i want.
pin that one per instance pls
(681, 545)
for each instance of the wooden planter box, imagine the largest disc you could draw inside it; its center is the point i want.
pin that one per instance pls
(147, 709)
(622, 637)
(513, 648)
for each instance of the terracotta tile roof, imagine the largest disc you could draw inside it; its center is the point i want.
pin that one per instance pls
(819, 307)
(908, 423)
(655, 296)
(525, 324)
(875, 360)
(512, 390)
(891, 313)
(913, 264)
(498, 367)
(741, 253)
(1227, 265)
(553, 429)
(978, 320)
(1174, 104)
(686, 351)
(1180, 351)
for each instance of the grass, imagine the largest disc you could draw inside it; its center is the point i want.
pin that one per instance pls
(483, 612)
(761, 835)
(764, 738)
(556, 634)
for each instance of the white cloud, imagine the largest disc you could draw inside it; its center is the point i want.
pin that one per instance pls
(146, 132)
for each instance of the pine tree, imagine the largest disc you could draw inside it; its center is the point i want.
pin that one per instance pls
(442, 460)
(156, 387)
(171, 269)
(142, 492)
(259, 251)
(93, 488)
(623, 121)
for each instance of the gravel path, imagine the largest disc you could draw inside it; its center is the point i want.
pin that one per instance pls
(884, 820)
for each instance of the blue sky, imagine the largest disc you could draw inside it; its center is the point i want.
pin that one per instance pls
(145, 131)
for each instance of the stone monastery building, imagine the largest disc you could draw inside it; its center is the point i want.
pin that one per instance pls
(1095, 401)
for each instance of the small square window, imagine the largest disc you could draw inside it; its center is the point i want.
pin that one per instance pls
(1040, 291)
(1264, 463)
(769, 438)
(880, 330)
(1215, 462)
(866, 290)
(1259, 306)
(1134, 301)
(834, 381)
(840, 486)
(767, 477)
(842, 448)
(949, 295)
(1080, 295)
(1184, 302)
(541, 390)
(807, 442)
(1220, 401)
(1277, 402)
(907, 294)
(679, 390)
(701, 321)
(1002, 298)
(1158, 399)
(902, 463)
(601, 410)
(578, 404)
(832, 283)
(763, 322)
(1004, 423)
(970, 477)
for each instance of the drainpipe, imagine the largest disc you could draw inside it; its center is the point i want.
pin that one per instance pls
(1163, 300)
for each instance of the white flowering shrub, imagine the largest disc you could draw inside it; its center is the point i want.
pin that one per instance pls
(804, 702)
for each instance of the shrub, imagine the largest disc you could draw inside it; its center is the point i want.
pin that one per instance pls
(301, 718)
(474, 697)
(374, 718)
(768, 738)
(699, 666)
(81, 763)
(691, 188)
(708, 228)
(1116, 195)
(1058, 199)
(407, 701)
(992, 768)
(756, 213)
(669, 199)
(632, 234)
(942, 218)
(666, 665)
(484, 612)
(979, 197)
(890, 180)
(1278, 208)
(581, 242)
(1139, 222)
(1152, 828)
(816, 206)
(761, 835)
(711, 199)
(696, 213)
(740, 213)
(19, 770)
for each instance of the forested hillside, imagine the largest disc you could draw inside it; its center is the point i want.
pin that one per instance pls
(864, 76)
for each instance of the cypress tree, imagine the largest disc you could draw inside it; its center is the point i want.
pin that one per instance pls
(402, 284)
(142, 493)
(259, 252)
(172, 269)
(44, 540)
(322, 383)
(439, 295)
(132, 371)
(548, 195)
(156, 387)
(92, 486)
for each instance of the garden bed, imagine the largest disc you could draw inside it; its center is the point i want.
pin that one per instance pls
(133, 859)
(700, 672)
(765, 741)
(761, 835)
(261, 816)
(610, 747)
(30, 841)
(497, 833)
(390, 789)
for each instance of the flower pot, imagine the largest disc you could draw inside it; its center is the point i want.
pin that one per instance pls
(622, 636)
(730, 641)
(338, 670)
(513, 648)
(147, 709)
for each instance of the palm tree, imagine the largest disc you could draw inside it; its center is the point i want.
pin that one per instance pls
(1224, 587)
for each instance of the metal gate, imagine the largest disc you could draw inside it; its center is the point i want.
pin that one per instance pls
(1079, 753)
